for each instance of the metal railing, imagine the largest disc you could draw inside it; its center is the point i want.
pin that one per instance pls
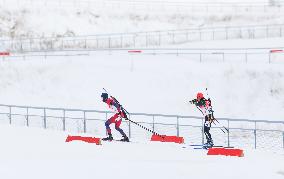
(241, 132)
(240, 55)
(142, 39)
(216, 7)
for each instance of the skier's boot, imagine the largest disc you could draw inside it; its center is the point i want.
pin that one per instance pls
(125, 138)
(206, 145)
(110, 138)
(209, 144)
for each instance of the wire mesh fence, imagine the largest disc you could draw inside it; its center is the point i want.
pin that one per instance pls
(241, 132)
(141, 39)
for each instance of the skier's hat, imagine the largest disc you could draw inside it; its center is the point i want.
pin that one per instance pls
(199, 96)
(104, 96)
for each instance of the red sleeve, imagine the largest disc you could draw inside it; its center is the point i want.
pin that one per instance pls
(109, 102)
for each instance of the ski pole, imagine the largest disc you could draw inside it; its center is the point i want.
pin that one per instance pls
(222, 126)
(219, 128)
(213, 121)
(149, 130)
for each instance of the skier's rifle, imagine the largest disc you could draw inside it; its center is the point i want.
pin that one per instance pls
(126, 118)
(213, 118)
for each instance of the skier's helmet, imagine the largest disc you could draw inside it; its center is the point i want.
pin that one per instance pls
(104, 96)
(199, 96)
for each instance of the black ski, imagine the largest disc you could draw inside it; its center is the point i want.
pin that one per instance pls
(117, 140)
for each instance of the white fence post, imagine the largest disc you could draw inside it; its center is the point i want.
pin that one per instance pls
(27, 117)
(177, 126)
(44, 118)
(153, 123)
(255, 135)
(64, 122)
(283, 139)
(10, 114)
(228, 127)
(85, 124)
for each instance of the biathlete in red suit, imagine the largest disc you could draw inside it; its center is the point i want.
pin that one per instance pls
(116, 118)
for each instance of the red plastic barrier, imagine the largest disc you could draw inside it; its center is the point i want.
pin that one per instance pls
(134, 51)
(85, 139)
(276, 50)
(164, 138)
(4, 53)
(226, 152)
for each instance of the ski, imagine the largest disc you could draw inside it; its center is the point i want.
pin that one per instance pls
(202, 146)
(117, 140)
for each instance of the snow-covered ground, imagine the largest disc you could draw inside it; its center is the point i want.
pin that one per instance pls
(143, 83)
(31, 18)
(30, 153)
(149, 83)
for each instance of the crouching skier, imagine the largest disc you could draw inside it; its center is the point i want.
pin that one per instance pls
(116, 118)
(204, 105)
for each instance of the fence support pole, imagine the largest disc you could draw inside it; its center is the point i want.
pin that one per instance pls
(64, 127)
(254, 135)
(134, 44)
(146, 39)
(177, 126)
(85, 124)
(109, 42)
(121, 41)
(283, 140)
(10, 114)
(228, 127)
(153, 123)
(129, 127)
(44, 118)
(226, 33)
(27, 117)
(159, 38)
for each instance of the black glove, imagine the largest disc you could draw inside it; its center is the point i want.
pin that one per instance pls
(192, 101)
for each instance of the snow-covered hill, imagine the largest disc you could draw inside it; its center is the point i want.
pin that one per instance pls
(30, 18)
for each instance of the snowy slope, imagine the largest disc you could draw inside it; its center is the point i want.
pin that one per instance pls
(36, 153)
(142, 83)
(147, 83)
(33, 18)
